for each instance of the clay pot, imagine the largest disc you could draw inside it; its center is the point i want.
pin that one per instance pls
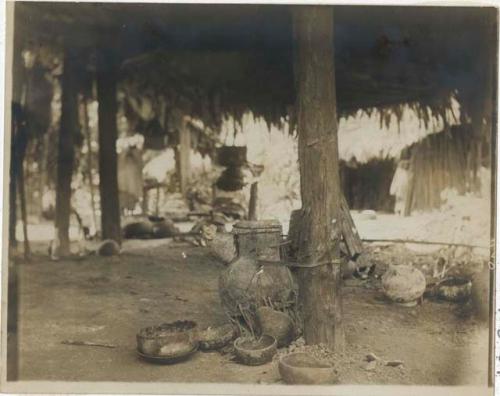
(480, 294)
(255, 352)
(303, 368)
(403, 284)
(454, 289)
(222, 247)
(138, 230)
(275, 323)
(108, 247)
(216, 337)
(164, 228)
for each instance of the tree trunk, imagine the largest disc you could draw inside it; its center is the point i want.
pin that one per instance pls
(108, 175)
(66, 147)
(319, 277)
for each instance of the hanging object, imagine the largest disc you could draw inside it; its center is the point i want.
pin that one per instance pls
(232, 156)
(155, 137)
(232, 179)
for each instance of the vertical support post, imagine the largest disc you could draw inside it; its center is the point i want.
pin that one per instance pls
(184, 156)
(88, 139)
(107, 66)
(252, 205)
(66, 150)
(319, 249)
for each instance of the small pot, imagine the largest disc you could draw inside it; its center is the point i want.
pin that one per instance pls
(277, 324)
(222, 247)
(255, 352)
(217, 337)
(454, 289)
(303, 368)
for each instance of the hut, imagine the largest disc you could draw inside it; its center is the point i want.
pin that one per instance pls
(441, 156)
(306, 65)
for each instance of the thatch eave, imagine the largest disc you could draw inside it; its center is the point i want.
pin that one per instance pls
(385, 56)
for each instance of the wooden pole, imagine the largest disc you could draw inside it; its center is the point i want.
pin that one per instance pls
(319, 240)
(24, 216)
(108, 174)
(88, 137)
(184, 156)
(252, 205)
(66, 149)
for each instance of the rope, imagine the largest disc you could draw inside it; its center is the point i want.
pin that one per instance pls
(312, 265)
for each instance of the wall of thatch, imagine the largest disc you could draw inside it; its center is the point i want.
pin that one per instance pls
(450, 159)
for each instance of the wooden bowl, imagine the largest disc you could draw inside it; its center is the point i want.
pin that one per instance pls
(254, 352)
(168, 340)
(303, 368)
(216, 337)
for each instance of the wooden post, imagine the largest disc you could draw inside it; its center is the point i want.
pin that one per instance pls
(319, 247)
(108, 173)
(17, 138)
(14, 166)
(252, 205)
(88, 138)
(184, 156)
(66, 149)
(24, 215)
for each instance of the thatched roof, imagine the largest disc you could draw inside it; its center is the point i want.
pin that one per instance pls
(215, 60)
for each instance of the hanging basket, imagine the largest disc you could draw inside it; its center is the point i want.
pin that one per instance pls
(233, 156)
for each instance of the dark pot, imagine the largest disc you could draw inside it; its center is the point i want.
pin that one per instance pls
(232, 155)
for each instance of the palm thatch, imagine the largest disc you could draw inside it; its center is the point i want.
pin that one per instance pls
(215, 61)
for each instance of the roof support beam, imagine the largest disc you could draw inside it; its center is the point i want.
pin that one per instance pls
(319, 235)
(107, 67)
(66, 146)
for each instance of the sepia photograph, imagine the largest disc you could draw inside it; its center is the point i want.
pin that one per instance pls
(249, 198)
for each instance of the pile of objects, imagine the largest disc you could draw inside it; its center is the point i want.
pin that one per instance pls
(153, 227)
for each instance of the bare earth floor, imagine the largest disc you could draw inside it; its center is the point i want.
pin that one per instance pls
(108, 299)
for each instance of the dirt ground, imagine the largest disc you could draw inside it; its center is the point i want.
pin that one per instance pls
(108, 300)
